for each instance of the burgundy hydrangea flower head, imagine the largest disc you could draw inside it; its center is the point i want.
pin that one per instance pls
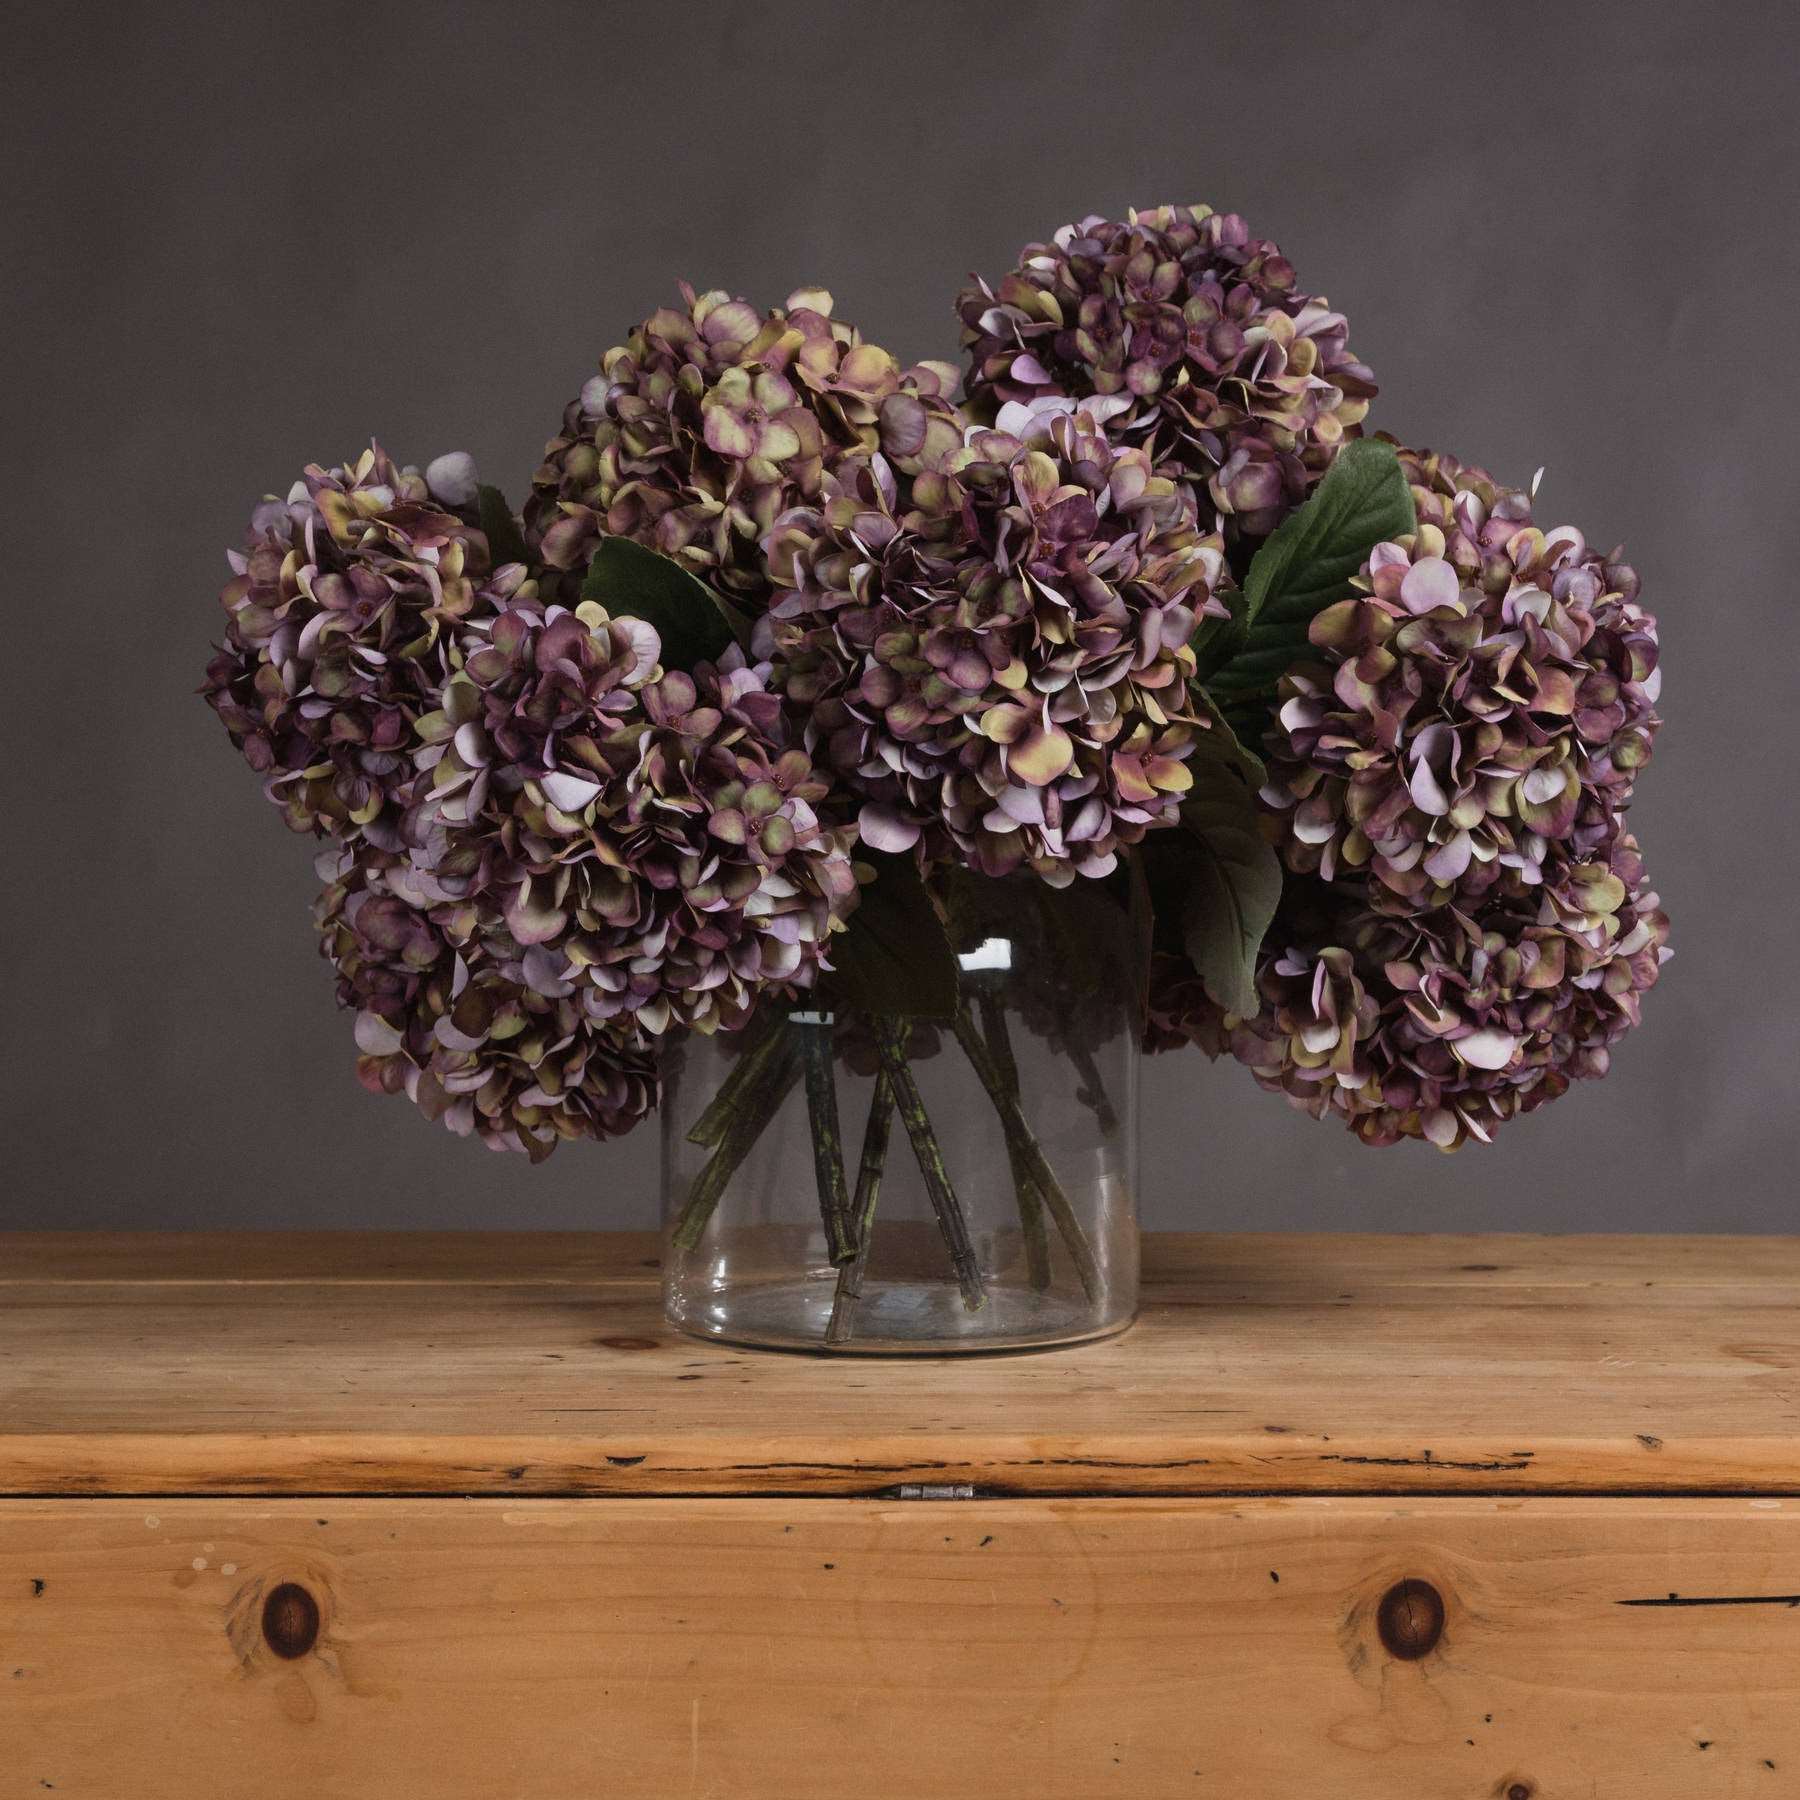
(992, 653)
(1483, 705)
(1194, 341)
(338, 612)
(712, 419)
(1444, 1024)
(445, 1015)
(649, 838)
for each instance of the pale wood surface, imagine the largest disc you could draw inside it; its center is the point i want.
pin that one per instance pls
(800, 1650)
(258, 1365)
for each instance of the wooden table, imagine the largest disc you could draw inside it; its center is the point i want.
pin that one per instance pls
(376, 1517)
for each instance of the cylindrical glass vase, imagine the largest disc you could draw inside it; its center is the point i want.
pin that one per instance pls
(958, 1179)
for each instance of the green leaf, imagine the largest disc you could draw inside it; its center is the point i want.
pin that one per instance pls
(1235, 889)
(500, 528)
(1220, 751)
(633, 581)
(893, 955)
(1307, 563)
(1226, 877)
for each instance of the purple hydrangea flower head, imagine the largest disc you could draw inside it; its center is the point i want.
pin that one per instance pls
(1445, 1024)
(1192, 340)
(338, 614)
(1481, 707)
(712, 419)
(992, 652)
(650, 838)
(446, 1015)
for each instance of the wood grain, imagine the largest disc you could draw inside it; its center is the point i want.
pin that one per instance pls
(1192, 1259)
(491, 1364)
(802, 1649)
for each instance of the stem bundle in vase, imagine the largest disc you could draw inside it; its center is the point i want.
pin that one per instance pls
(798, 1046)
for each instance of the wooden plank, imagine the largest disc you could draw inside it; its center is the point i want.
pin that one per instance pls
(1333, 1365)
(796, 1650)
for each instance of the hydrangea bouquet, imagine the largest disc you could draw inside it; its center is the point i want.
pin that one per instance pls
(789, 643)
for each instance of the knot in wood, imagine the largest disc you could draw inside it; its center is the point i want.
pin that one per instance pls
(290, 1620)
(1410, 1619)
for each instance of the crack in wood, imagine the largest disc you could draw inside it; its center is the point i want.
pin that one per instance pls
(1428, 1461)
(1790, 1600)
(1113, 1462)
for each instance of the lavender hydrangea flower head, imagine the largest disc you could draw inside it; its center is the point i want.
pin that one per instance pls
(445, 1015)
(712, 419)
(993, 652)
(650, 838)
(1482, 705)
(338, 614)
(1446, 1023)
(1194, 342)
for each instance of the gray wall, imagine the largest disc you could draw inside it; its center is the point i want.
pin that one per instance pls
(248, 235)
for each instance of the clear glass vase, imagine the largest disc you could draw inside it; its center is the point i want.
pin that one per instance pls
(839, 1180)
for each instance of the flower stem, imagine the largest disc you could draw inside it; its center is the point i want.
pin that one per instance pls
(765, 1039)
(1092, 1092)
(761, 1100)
(876, 1132)
(1018, 1133)
(827, 1138)
(1031, 1202)
(890, 1038)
